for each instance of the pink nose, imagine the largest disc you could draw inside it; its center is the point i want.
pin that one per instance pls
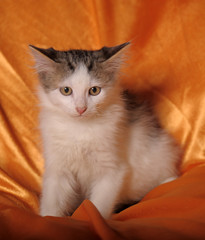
(81, 110)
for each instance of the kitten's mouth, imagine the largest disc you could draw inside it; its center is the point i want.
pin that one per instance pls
(83, 115)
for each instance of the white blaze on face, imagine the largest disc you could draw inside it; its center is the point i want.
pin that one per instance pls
(80, 83)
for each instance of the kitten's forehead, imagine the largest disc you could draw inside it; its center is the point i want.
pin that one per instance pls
(84, 64)
(80, 77)
(79, 57)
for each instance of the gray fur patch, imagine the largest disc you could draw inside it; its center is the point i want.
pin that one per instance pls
(140, 110)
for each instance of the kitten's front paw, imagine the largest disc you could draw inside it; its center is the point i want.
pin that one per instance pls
(169, 179)
(49, 212)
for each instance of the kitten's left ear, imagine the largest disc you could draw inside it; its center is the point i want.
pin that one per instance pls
(113, 56)
(110, 52)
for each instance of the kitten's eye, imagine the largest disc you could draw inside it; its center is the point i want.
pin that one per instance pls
(94, 91)
(66, 91)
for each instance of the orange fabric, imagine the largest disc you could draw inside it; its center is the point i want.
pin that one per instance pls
(166, 62)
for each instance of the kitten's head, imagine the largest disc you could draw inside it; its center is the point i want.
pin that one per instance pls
(79, 82)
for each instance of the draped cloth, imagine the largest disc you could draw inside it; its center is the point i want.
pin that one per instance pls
(166, 63)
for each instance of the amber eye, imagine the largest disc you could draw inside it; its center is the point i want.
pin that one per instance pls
(94, 91)
(66, 91)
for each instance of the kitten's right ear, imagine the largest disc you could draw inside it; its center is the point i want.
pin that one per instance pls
(44, 59)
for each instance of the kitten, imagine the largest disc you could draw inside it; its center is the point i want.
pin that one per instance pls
(99, 144)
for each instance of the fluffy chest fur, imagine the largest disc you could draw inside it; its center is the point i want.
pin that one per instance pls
(86, 147)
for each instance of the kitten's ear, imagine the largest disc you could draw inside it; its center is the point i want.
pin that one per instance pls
(110, 52)
(113, 56)
(44, 59)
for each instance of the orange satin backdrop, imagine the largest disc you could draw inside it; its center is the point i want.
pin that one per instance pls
(166, 62)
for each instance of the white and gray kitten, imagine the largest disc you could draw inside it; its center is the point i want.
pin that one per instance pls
(99, 143)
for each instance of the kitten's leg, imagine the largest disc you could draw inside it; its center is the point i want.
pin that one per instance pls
(105, 193)
(59, 195)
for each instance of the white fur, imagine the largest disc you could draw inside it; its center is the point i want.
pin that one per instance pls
(98, 155)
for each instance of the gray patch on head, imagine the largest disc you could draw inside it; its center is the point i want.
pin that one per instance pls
(76, 57)
(68, 61)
